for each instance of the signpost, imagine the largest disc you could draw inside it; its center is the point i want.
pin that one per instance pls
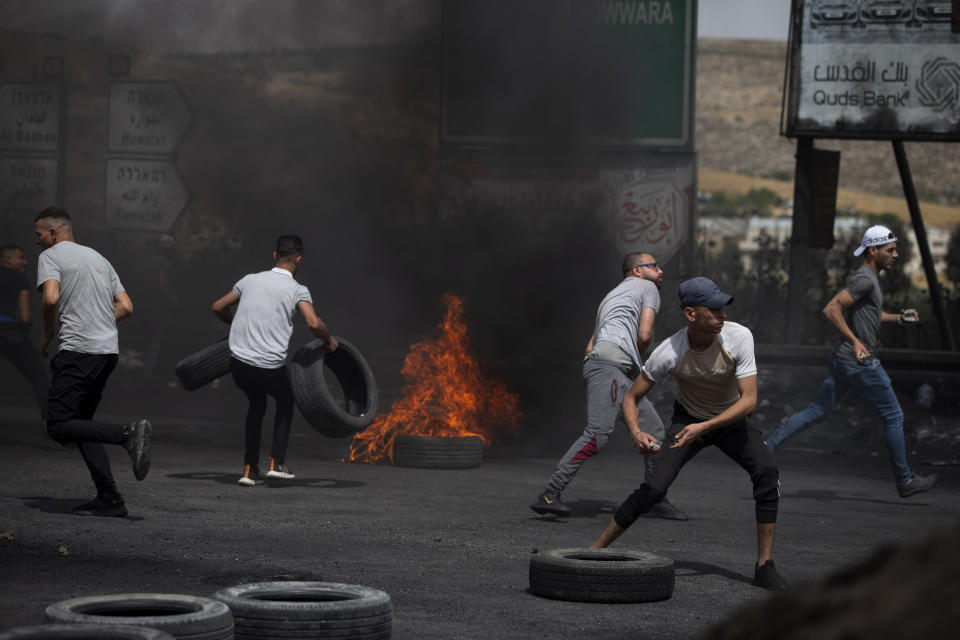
(146, 118)
(27, 185)
(143, 194)
(30, 115)
(582, 73)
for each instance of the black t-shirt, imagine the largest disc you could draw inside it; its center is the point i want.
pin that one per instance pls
(11, 284)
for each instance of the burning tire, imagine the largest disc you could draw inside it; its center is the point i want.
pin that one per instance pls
(430, 452)
(601, 575)
(83, 632)
(204, 366)
(335, 391)
(297, 610)
(185, 617)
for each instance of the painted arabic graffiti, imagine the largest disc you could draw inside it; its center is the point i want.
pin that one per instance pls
(650, 216)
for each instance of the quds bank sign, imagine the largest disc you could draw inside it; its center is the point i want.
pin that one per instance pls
(885, 69)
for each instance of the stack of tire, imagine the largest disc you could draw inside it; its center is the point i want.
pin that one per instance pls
(183, 617)
(298, 610)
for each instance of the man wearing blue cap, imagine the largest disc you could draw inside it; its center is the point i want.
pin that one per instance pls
(716, 372)
(856, 312)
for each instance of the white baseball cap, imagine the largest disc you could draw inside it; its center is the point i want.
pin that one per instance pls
(875, 235)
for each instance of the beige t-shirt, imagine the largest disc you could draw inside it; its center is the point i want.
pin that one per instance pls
(706, 380)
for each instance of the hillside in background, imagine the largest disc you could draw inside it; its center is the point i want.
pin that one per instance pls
(739, 92)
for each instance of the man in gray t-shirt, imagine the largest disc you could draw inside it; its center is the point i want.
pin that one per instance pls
(857, 312)
(82, 293)
(622, 332)
(259, 310)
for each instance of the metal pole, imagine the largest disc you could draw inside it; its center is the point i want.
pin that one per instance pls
(921, 232)
(799, 241)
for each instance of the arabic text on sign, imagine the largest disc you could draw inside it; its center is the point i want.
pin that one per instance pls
(31, 97)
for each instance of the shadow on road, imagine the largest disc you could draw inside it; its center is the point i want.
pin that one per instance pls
(686, 568)
(64, 506)
(822, 495)
(231, 478)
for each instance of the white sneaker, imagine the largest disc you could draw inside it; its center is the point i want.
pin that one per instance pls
(251, 476)
(279, 471)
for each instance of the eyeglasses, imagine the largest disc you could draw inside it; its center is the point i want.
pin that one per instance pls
(654, 265)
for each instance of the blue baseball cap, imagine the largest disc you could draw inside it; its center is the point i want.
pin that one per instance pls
(702, 291)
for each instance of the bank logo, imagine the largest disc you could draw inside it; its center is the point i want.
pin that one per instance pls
(939, 84)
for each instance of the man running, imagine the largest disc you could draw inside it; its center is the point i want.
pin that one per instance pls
(716, 372)
(260, 311)
(622, 333)
(857, 312)
(81, 289)
(15, 318)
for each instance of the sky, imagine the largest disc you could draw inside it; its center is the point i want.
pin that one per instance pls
(226, 26)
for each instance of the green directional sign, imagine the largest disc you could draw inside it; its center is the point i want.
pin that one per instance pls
(588, 73)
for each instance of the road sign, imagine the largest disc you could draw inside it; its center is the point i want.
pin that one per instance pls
(27, 185)
(146, 117)
(143, 195)
(30, 117)
(597, 73)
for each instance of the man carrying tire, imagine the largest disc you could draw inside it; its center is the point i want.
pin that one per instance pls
(716, 372)
(259, 310)
(81, 289)
(623, 331)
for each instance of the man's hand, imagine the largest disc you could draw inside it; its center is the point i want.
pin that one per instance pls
(331, 344)
(44, 343)
(645, 443)
(688, 434)
(860, 352)
(908, 316)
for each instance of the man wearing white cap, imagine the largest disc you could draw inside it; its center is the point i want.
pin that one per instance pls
(856, 312)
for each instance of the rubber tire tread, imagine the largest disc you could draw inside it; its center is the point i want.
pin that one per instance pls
(306, 625)
(207, 619)
(307, 375)
(431, 452)
(247, 602)
(204, 366)
(359, 631)
(615, 576)
(83, 632)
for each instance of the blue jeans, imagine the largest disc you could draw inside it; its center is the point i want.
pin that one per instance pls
(873, 384)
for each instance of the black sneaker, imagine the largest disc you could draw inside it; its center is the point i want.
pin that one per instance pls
(916, 484)
(107, 506)
(766, 576)
(549, 502)
(137, 445)
(665, 510)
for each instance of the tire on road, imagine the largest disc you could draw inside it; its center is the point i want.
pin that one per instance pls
(432, 452)
(83, 632)
(289, 610)
(182, 616)
(601, 575)
(335, 391)
(204, 366)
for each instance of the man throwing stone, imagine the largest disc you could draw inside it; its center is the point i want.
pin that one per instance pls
(259, 311)
(623, 331)
(715, 369)
(81, 289)
(857, 312)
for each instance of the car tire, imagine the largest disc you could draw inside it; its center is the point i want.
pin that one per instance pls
(296, 610)
(83, 632)
(204, 366)
(601, 575)
(185, 617)
(432, 452)
(335, 391)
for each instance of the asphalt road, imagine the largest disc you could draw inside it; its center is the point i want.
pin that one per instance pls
(451, 547)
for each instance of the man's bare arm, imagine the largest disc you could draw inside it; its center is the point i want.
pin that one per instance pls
(316, 325)
(223, 308)
(122, 306)
(834, 313)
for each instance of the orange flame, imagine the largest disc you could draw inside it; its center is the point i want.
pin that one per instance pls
(446, 394)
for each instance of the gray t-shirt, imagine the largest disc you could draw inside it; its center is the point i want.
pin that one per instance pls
(619, 317)
(863, 316)
(261, 329)
(88, 284)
